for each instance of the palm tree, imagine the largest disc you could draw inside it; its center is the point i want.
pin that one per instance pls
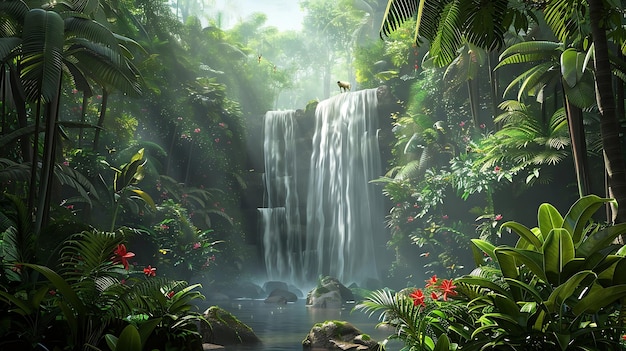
(445, 22)
(48, 44)
(555, 67)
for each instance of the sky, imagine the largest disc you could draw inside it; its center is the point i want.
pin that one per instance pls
(283, 14)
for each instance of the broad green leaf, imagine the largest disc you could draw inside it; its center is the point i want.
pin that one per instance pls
(531, 259)
(62, 286)
(599, 240)
(571, 66)
(524, 233)
(484, 246)
(565, 290)
(145, 198)
(129, 339)
(483, 283)
(146, 328)
(578, 216)
(599, 298)
(548, 218)
(443, 343)
(558, 250)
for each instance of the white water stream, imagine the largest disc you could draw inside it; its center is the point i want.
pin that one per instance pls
(343, 210)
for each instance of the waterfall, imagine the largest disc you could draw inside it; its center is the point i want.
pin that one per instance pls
(280, 219)
(344, 211)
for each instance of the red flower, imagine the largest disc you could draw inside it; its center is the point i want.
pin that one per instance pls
(122, 255)
(170, 294)
(432, 281)
(418, 297)
(149, 271)
(497, 169)
(447, 287)
(434, 296)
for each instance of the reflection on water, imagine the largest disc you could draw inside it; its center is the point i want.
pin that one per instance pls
(283, 327)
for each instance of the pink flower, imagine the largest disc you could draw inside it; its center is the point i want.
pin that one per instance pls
(197, 130)
(196, 246)
(462, 124)
(482, 126)
(66, 163)
(222, 124)
(497, 217)
(74, 91)
(217, 140)
(497, 169)
(444, 217)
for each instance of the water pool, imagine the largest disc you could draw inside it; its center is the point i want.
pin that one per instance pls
(283, 327)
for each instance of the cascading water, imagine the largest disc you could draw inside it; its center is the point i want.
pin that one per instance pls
(343, 209)
(280, 219)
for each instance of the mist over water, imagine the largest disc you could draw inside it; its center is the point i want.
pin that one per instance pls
(343, 210)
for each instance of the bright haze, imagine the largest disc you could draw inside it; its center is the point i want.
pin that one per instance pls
(282, 14)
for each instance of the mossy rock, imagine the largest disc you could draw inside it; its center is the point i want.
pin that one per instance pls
(225, 329)
(338, 335)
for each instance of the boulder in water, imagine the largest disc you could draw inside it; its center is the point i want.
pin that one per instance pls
(225, 329)
(338, 335)
(281, 296)
(329, 293)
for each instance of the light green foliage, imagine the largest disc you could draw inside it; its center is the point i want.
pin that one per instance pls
(557, 284)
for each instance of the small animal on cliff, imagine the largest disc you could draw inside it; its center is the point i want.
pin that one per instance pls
(343, 86)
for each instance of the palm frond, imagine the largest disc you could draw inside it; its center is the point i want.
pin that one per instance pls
(42, 54)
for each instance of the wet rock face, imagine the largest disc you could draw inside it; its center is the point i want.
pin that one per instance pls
(338, 335)
(225, 329)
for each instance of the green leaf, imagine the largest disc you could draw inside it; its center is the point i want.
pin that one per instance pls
(548, 218)
(145, 198)
(129, 339)
(533, 260)
(62, 286)
(42, 54)
(599, 298)
(558, 250)
(565, 290)
(524, 233)
(443, 343)
(571, 66)
(599, 240)
(577, 217)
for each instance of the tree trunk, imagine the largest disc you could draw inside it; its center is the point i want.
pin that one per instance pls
(579, 147)
(103, 109)
(609, 126)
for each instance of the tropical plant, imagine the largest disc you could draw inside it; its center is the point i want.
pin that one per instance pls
(92, 292)
(420, 317)
(557, 287)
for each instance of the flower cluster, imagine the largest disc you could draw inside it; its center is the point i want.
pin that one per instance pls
(437, 290)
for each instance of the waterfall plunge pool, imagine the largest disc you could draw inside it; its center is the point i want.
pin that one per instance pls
(283, 327)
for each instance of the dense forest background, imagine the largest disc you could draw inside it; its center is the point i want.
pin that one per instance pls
(475, 142)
